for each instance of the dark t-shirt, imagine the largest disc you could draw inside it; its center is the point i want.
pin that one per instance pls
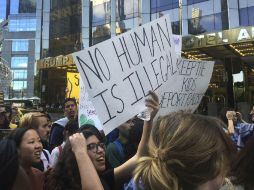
(108, 179)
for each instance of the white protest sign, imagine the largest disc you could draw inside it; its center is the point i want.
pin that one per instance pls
(178, 44)
(119, 72)
(188, 88)
(87, 113)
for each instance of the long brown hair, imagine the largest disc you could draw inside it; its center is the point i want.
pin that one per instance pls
(65, 175)
(185, 151)
(243, 167)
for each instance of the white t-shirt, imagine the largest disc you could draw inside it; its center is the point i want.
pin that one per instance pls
(55, 155)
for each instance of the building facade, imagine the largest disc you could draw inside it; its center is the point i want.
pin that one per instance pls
(18, 48)
(220, 30)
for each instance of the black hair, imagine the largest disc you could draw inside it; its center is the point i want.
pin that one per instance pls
(71, 127)
(90, 130)
(70, 99)
(9, 163)
(17, 134)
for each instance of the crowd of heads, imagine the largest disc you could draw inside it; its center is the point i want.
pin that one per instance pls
(185, 151)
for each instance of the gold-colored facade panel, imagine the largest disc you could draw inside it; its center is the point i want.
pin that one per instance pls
(58, 61)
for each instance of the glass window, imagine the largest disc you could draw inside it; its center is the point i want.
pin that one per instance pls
(190, 2)
(19, 85)
(101, 14)
(162, 5)
(19, 62)
(126, 25)
(247, 16)
(19, 74)
(20, 45)
(27, 6)
(101, 33)
(14, 7)
(208, 23)
(2, 10)
(126, 9)
(22, 25)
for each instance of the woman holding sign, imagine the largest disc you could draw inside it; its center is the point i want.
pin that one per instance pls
(67, 171)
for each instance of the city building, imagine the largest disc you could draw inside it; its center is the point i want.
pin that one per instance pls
(220, 30)
(19, 26)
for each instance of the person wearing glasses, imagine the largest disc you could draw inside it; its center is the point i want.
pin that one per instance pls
(66, 173)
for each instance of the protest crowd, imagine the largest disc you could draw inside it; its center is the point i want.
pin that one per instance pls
(177, 150)
(180, 150)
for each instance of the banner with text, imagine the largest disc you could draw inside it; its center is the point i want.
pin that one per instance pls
(119, 72)
(87, 112)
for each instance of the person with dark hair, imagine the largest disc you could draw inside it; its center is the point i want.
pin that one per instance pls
(239, 130)
(29, 148)
(12, 175)
(70, 128)
(70, 112)
(4, 123)
(66, 169)
(243, 168)
(74, 170)
(185, 152)
(5, 118)
(40, 122)
(116, 151)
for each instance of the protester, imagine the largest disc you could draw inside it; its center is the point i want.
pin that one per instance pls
(40, 122)
(70, 111)
(70, 128)
(251, 115)
(239, 130)
(4, 124)
(74, 170)
(12, 175)
(243, 168)
(29, 148)
(5, 118)
(15, 117)
(116, 151)
(187, 152)
(66, 170)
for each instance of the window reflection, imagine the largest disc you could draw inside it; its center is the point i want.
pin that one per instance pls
(101, 33)
(22, 25)
(208, 23)
(190, 2)
(22, 6)
(101, 13)
(19, 85)
(126, 25)
(247, 16)
(19, 74)
(162, 5)
(19, 45)
(126, 9)
(19, 62)
(2, 10)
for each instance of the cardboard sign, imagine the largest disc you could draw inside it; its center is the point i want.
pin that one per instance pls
(185, 92)
(119, 72)
(87, 113)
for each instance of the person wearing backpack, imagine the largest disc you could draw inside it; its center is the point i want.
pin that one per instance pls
(116, 151)
(70, 128)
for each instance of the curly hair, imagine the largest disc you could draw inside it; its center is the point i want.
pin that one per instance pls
(65, 175)
(185, 151)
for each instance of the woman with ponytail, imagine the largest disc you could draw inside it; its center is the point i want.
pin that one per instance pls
(186, 152)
